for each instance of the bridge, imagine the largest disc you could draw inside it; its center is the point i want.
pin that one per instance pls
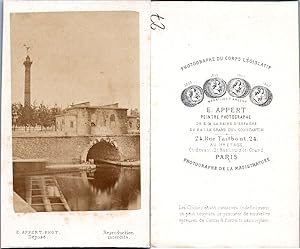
(58, 149)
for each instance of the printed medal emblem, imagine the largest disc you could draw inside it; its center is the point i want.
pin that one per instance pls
(238, 88)
(191, 96)
(214, 88)
(261, 96)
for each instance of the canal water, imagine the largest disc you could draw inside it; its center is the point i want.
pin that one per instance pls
(110, 188)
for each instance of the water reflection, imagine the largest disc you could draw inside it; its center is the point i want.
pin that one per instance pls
(113, 188)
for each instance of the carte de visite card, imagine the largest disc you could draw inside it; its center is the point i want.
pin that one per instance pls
(224, 124)
(75, 124)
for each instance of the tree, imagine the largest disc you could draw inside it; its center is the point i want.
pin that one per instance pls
(53, 112)
(26, 116)
(16, 113)
(42, 112)
(30, 116)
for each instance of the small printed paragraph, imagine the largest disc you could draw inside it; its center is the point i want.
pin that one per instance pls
(189, 214)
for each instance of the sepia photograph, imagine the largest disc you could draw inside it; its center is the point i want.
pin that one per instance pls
(75, 108)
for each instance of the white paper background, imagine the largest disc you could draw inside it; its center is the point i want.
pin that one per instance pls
(76, 228)
(267, 32)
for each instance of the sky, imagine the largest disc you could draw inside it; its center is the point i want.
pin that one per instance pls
(77, 57)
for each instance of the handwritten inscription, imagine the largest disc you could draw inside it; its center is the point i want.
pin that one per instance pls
(156, 22)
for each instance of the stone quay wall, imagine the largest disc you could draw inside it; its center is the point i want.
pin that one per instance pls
(70, 149)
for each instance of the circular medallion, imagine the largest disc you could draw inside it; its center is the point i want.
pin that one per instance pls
(191, 96)
(214, 88)
(261, 96)
(238, 88)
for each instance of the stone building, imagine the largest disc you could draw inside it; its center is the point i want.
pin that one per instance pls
(134, 121)
(84, 119)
